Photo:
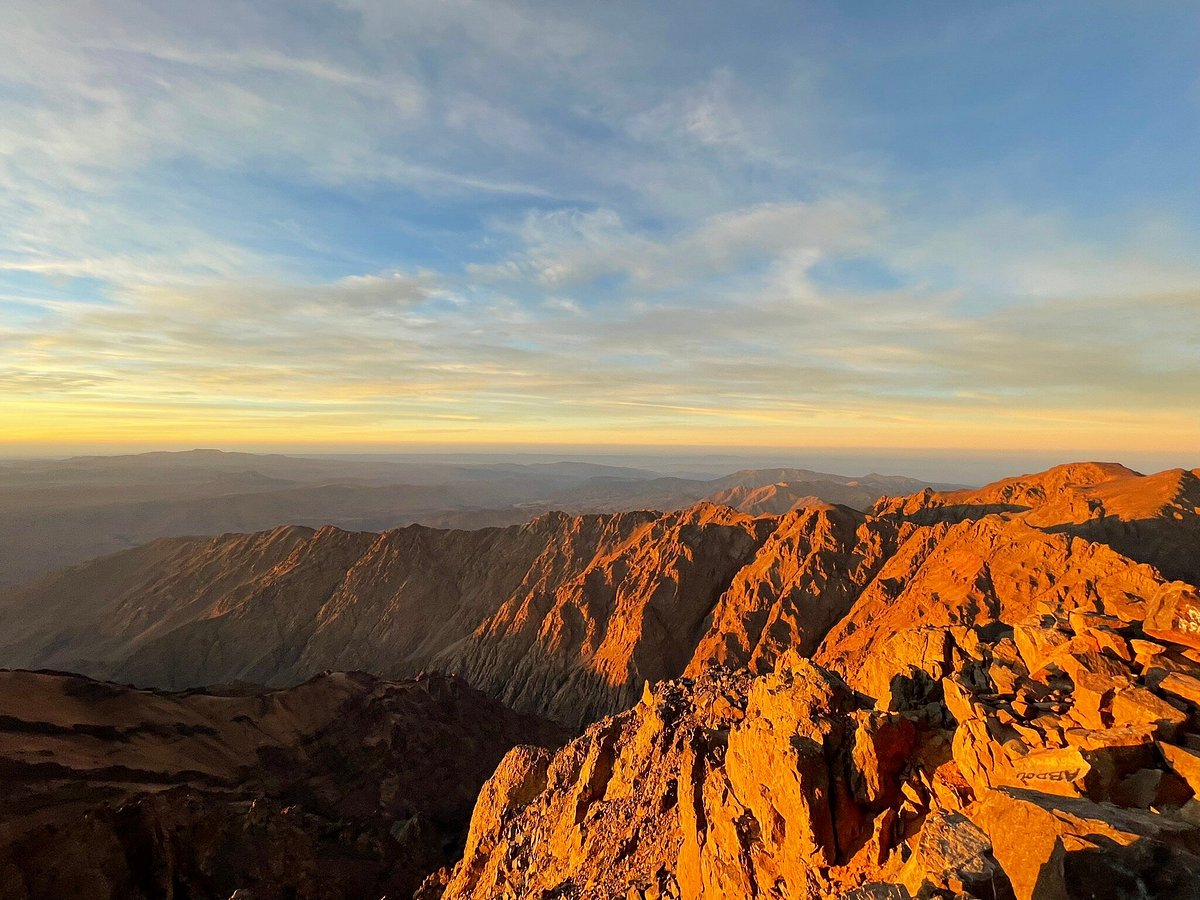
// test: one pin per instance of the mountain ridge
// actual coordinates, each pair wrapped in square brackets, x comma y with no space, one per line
[55,513]
[568,616]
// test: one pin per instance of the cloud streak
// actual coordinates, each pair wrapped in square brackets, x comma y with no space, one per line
[459,221]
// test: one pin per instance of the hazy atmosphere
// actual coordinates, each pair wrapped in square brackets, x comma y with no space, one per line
[356,224]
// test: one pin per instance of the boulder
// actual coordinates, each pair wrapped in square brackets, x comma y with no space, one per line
[951,853]
[1155,788]
[1174,615]
[1092,698]
[1057,848]
[1184,763]
[1135,705]
[1036,642]
[883,743]
[904,673]
[1185,687]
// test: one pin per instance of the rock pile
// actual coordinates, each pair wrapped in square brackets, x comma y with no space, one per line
[1054,757]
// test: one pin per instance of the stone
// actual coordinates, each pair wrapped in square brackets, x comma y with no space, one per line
[1153,675]
[1173,791]
[1185,687]
[1140,736]
[1173,615]
[1063,771]
[1112,643]
[1083,622]
[1184,763]
[1036,643]
[1092,698]
[1138,790]
[877,891]
[951,853]
[959,699]
[1084,655]
[1135,705]
[1111,754]
[1005,651]
[1057,848]
[904,672]
[1004,678]
[1144,649]
[907,690]
[883,743]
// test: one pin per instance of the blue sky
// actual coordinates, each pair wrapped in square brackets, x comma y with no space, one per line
[363,223]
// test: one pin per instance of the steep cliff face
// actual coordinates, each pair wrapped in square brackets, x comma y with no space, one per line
[281,606]
[808,574]
[1153,519]
[336,788]
[723,787]
[564,615]
[634,614]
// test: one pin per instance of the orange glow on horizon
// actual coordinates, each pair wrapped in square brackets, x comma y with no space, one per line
[35,428]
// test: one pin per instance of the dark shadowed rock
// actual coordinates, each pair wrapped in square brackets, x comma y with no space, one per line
[344,786]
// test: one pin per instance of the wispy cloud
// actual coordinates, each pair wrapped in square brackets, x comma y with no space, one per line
[571,247]
[461,218]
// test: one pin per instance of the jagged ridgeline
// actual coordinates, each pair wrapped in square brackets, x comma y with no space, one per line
[982,693]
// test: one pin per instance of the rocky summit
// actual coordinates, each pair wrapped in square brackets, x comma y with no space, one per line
[1054,757]
[988,693]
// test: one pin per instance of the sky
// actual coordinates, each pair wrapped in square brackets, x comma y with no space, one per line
[374,224]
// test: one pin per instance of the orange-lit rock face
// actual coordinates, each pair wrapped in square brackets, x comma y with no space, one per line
[712,788]
[736,786]
[1153,519]
[587,644]
[809,572]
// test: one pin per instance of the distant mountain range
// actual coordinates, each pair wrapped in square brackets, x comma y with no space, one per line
[55,513]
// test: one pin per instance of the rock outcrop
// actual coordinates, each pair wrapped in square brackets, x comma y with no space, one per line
[1057,757]
[1153,519]
[336,788]
[725,786]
